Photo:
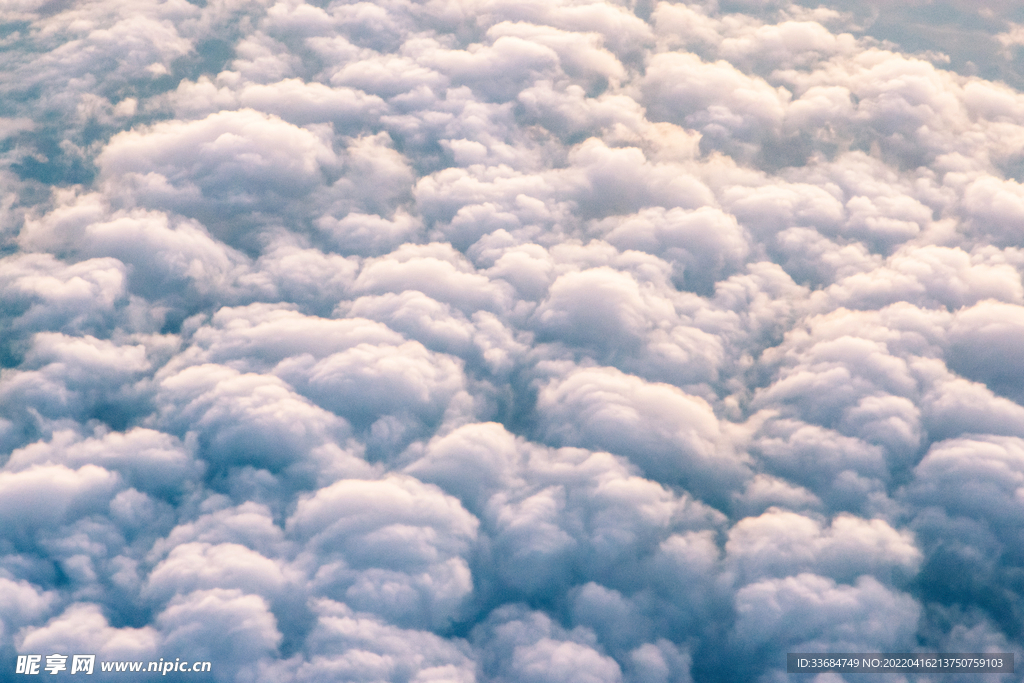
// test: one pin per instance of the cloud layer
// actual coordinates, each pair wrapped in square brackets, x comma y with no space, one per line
[604,342]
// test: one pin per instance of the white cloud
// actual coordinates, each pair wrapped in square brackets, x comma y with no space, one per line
[147,459]
[394,547]
[670,435]
[528,646]
[45,293]
[981,343]
[510,341]
[979,477]
[26,495]
[245,419]
[779,543]
[238,163]
[704,244]
[359,646]
[226,624]
[808,613]
[83,628]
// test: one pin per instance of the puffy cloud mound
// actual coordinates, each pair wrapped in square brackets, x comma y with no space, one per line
[590,341]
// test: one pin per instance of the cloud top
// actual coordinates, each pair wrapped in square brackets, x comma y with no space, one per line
[585,340]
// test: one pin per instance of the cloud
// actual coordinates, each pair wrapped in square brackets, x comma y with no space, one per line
[979,339]
[81,491]
[354,530]
[528,646]
[148,460]
[784,544]
[358,646]
[809,613]
[672,436]
[731,109]
[191,566]
[993,465]
[223,623]
[703,244]
[23,604]
[82,628]
[163,253]
[509,341]
[44,293]
[600,306]
[243,162]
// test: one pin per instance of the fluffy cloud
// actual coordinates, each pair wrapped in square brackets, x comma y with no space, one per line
[672,436]
[809,613]
[785,543]
[509,341]
[82,628]
[394,546]
[528,646]
[240,164]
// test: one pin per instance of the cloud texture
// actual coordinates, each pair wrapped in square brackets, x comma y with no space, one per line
[493,341]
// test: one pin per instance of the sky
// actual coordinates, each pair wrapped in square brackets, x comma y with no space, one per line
[510,341]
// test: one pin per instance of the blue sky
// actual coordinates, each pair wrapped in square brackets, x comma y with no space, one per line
[563,341]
